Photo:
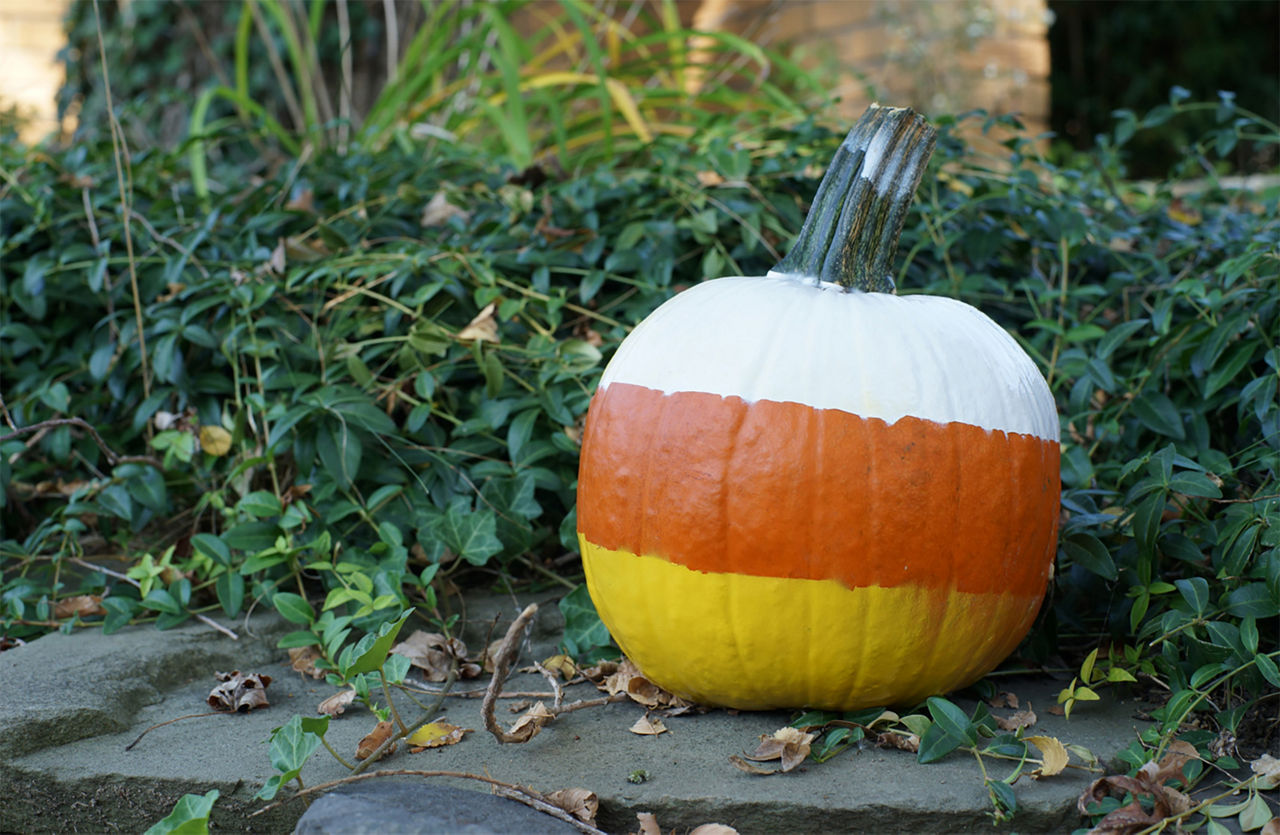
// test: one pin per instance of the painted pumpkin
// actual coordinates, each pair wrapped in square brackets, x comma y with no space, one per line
[801,489]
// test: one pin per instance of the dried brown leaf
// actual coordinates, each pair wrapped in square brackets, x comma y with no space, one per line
[380,734]
[1021,719]
[645,726]
[527,726]
[1266,772]
[1271,827]
[435,735]
[303,660]
[241,693]
[903,742]
[439,210]
[751,768]
[1170,765]
[581,803]
[484,327]
[597,673]
[562,664]
[83,605]
[435,655]
[1057,710]
[648,824]
[1053,755]
[1003,699]
[789,745]
[337,703]
[1126,820]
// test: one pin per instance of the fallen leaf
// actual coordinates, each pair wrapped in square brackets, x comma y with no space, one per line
[600,671]
[1021,719]
[215,440]
[648,824]
[628,679]
[751,768]
[644,726]
[435,654]
[241,693]
[713,829]
[527,726]
[1003,699]
[789,745]
[82,605]
[1271,827]
[484,327]
[1057,710]
[1126,820]
[709,178]
[581,803]
[337,703]
[1170,765]
[1053,754]
[561,664]
[303,660]
[903,742]
[439,210]
[435,735]
[380,733]
[1266,772]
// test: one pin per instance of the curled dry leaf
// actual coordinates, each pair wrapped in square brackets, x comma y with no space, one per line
[598,672]
[790,745]
[241,693]
[581,803]
[435,735]
[648,824]
[1003,699]
[749,767]
[337,703]
[1021,719]
[1266,772]
[303,660]
[1053,755]
[83,605]
[628,679]
[903,742]
[1271,827]
[527,726]
[439,210]
[380,734]
[1126,820]
[561,664]
[645,726]
[435,654]
[484,327]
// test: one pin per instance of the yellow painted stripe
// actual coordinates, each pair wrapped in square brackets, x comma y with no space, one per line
[752,642]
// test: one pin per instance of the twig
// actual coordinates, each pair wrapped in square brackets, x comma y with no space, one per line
[195,262]
[112,458]
[207,621]
[129,747]
[502,661]
[520,793]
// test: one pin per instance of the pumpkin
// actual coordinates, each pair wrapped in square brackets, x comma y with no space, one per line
[803,490]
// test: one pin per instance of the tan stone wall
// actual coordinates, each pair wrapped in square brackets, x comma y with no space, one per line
[30,37]
[936,55]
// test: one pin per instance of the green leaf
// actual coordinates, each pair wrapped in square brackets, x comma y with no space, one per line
[190,816]
[300,638]
[159,600]
[260,504]
[291,746]
[1195,484]
[1256,814]
[472,535]
[583,629]
[951,719]
[1252,601]
[1156,411]
[372,650]
[294,608]
[1194,590]
[1267,666]
[230,591]
[935,743]
[1088,552]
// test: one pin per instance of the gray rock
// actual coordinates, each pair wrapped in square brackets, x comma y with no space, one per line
[391,806]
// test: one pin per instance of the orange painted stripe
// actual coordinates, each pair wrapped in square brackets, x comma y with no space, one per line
[785,490]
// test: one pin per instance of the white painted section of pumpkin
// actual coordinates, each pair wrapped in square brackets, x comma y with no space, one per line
[871,354]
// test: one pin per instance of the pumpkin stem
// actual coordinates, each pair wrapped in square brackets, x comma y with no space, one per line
[851,233]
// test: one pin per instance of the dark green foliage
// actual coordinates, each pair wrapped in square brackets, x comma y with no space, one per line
[1109,56]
